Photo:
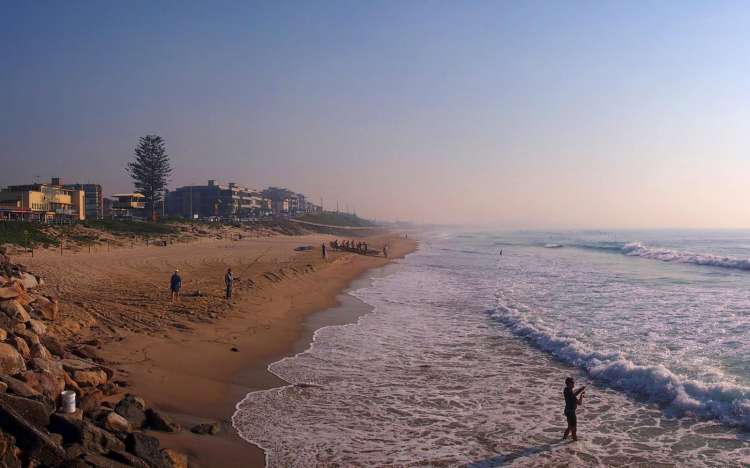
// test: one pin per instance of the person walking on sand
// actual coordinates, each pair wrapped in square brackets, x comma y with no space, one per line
[175,283]
[229,282]
[573,399]
[323,246]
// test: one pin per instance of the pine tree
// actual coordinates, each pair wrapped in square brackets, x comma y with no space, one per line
[150,171]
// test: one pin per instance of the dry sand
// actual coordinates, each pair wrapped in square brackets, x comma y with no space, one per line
[179,357]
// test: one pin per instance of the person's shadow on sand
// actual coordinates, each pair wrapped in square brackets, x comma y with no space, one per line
[500,460]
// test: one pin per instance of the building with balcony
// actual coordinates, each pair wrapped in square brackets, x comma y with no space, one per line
[93,197]
[129,206]
[215,201]
[43,202]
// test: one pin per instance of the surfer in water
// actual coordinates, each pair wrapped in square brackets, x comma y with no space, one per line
[573,399]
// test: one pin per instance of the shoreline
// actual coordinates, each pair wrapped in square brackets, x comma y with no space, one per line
[195,377]
[347,311]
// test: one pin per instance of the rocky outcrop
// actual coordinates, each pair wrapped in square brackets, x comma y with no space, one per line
[206,428]
[35,367]
[11,361]
[160,422]
[147,447]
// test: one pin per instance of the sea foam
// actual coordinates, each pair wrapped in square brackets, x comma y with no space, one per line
[636,249]
[725,402]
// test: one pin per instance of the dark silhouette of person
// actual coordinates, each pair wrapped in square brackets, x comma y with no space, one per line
[175,283]
[573,399]
[229,282]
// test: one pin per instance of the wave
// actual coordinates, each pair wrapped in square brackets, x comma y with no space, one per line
[725,402]
[637,249]
[553,246]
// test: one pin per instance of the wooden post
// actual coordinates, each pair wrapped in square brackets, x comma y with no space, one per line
[61,247]
[107,245]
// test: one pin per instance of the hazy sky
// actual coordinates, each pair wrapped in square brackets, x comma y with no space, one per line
[519,114]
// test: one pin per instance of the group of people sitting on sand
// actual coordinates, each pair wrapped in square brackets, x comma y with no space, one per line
[350,246]
[356,247]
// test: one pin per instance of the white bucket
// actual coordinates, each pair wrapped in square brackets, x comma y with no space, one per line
[68,398]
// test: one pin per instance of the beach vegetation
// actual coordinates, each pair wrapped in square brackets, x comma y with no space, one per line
[25,234]
[333,218]
[138,228]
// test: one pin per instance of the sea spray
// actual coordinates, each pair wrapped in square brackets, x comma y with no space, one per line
[725,402]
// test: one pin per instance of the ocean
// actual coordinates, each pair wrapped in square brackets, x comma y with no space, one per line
[462,360]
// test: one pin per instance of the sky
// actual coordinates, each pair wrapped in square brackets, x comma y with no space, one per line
[517,114]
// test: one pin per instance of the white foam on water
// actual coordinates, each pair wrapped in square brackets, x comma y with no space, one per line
[637,249]
[726,402]
[429,379]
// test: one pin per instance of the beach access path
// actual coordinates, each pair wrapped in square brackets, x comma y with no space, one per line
[194,360]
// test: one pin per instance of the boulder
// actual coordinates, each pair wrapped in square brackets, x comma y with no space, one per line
[109,388]
[80,431]
[46,383]
[11,361]
[176,459]
[206,428]
[31,410]
[7,293]
[160,422]
[127,458]
[90,401]
[8,453]
[40,300]
[74,364]
[90,378]
[35,443]
[14,310]
[48,311]
[133,409]
[18,387]
[53,345]
[71,384]
[39,351]
[21,346]
[74,451]
[92,460]
[28,335]
[88,352]
[28,281]
[147,448]
[116,423]
[37,327]
[47,365]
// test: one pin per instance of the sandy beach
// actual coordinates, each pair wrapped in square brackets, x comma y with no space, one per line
[196,359]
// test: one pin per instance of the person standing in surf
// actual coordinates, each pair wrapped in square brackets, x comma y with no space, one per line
[573,399]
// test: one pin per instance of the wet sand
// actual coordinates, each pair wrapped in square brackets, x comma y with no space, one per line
[180,357]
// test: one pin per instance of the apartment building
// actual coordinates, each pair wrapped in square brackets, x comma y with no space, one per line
[43,202]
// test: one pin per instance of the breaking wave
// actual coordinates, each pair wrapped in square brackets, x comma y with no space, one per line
[725,402]
[637,249]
